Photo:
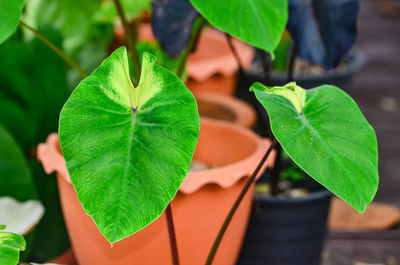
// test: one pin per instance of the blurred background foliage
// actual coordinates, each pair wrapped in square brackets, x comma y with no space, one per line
[35,82]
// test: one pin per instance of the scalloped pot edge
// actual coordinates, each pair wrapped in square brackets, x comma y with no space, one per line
[212,56]
[50,155]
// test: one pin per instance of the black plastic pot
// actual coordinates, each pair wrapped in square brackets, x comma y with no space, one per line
[286,231]
[354,61]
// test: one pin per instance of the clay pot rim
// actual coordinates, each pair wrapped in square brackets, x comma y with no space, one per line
[244,113]
[242,169]
[225,64]
[52,160]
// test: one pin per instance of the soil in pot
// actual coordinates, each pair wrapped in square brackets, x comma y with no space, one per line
[199,208]
[287,230]
[221,107]
[215,111]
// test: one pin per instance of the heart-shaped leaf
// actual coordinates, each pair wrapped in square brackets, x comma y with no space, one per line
[15,175]
[328,137]
[323,31]
[10,246]
[172,22]
[128,149]
[257,22]
[10,12]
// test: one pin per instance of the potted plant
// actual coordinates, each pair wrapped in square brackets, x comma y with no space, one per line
[316,45]
[128,143]
[284,215]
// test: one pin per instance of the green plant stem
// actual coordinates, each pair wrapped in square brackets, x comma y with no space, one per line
[276,170]
[130,39]
[172,235]
[65,57]
[192,41]
[239,199]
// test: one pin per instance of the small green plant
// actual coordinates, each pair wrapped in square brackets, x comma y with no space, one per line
[128,135]
[10,246]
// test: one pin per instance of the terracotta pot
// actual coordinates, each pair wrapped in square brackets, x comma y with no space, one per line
[199,208]
[212,67]
[225,108]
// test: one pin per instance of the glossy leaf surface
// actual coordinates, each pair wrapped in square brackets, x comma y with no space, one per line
[323,31]
[260,23]
[329,138]
[10,246]
[10,12]
[172,23]
[15,176]
[128,149]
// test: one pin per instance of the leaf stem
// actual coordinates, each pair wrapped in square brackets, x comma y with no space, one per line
[172,236]
[237,203]
[192,41]
[129,39]
[274,181]
[235,53]
[46,41]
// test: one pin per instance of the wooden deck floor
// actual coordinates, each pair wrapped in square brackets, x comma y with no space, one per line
[377,90]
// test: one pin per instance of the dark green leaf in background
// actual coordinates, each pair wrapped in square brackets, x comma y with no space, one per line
[33,89]
[51,238]
[15,176]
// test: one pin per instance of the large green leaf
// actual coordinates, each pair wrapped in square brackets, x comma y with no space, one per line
[257,22]
[10,12]
[15,175]
[10,246]
[325,133]
[128,149]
